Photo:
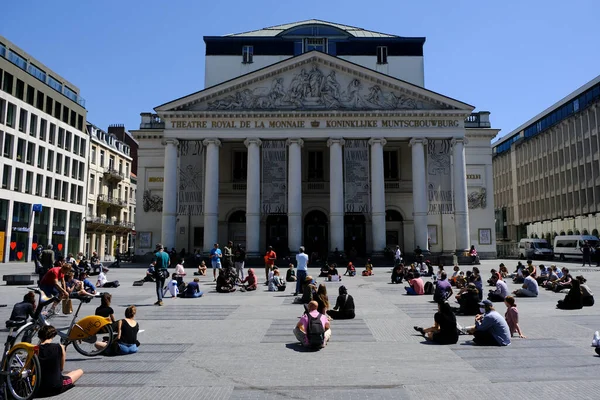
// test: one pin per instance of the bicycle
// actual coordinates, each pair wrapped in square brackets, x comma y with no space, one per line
[21,371]
[83,334]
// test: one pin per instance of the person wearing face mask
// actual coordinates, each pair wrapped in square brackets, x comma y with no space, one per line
[490,327]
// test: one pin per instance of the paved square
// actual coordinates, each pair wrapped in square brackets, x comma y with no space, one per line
[241,346]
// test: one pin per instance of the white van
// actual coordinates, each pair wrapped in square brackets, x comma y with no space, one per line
[570,245]
[535,248]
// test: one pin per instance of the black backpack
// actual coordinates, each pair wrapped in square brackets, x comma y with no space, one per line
[429,289]
[315,332]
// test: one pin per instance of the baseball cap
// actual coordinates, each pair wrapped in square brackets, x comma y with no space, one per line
[486,303]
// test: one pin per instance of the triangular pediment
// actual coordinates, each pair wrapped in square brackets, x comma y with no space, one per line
[314,82]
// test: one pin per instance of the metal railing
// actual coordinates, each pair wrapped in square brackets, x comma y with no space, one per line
[103,198]
[113,173]
[507,249]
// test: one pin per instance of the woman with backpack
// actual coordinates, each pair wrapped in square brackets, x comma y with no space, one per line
[313,329]
[344,306]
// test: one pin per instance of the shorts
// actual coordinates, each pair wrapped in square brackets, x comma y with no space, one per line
[49,291]
[216,264]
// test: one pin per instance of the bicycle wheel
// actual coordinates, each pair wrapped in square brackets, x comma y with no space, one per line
[23,377]
[96,344]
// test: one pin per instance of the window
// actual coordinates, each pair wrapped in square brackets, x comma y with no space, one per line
[57,108]
[33,125]
[73,119]
[49,104]
[80,122]
[30,95]
[17,60]
[240,165]
[126,170]
[74,168]
[93,155]
[21,150]
[7,85]
[68,141]
[2,50]
[30,153]
[82,147]
[20,93]
[55,84]
[390,165]
[319,44]
[67,166]
[39,180]
[58,168]
[121,166]
[315,166]
[39,103]
[56,189]
[61,137]
[18,179]
[22,120]
[11,114]
[73,196]
[65,115]
[79,194]
[48,189]
[8,145]
[50,160]
[382,53]
[81,168]
[111,162]
[28,182]
[40,157]
[247,54]
[38,73]
[102,158]
[70,93]
[43,126]
[52,135]
[6,176]
[2,107]
[75,144]
[64,192]
[92,183]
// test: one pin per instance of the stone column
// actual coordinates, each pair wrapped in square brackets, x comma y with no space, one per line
[461,206]
[294,211]
[253,198]
[419,192]
[211,194]
[169,211]
[377,195]
[8,234]
[336,194]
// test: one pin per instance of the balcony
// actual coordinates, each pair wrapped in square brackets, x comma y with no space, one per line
[232,187]
[111,201]
[398,186]
[108,223]
[478,120]
[315,187]
[111,174]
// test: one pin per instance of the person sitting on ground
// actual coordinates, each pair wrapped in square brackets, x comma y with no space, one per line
[474,256]
[500,293]
[149,274]
[543,276]
[179,270]
[398,273]
[461,281]
[443,289]
[172,286]
[192,290]
[468,300]
[476,279]
[444,329]
[344,305]
[455,274]
[322,299]
[103,280]
[518,274]
[438,275]
[563,283]
[333,275]
[350,269]
[25,309]
[324,271]
[416,285]
[250,280]
[587,297]
[201,269]
[495,276]
[75,287]
[290,275]
[552,277]
[368,268]
[503,271]
[52,358]
[224,283]
[308,291]
[512,317]
[302,329]
[573,299]
[127,330]
[490,327]
[532,269]
[105,310]
[530,286]
[278,282]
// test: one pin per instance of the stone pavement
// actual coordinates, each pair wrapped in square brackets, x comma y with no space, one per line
[241,346]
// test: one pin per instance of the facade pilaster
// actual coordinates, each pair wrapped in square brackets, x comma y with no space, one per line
[461,206]
[211,194]
[169,212]
[336,194]
[253,197]
[377,195]
[294,211]
[419,182]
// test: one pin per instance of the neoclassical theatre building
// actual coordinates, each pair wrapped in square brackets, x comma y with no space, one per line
[316,134]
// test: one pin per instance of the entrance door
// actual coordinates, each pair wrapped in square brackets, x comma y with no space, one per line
[355,237]
[236,228]
[277,234]
[316,235]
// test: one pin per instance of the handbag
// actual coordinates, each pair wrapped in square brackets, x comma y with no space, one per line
[67,306]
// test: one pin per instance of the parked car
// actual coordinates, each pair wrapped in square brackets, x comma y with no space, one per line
[569,246]
[535,248]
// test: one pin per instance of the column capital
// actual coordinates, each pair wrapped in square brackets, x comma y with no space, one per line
[210,141]
[381,141]
[414,141]
[250,141]
[332,141]
[299,142]
[168,141]
[456,140]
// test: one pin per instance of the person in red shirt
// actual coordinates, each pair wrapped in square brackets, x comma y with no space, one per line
[270,258]
[53,282]
[417,286]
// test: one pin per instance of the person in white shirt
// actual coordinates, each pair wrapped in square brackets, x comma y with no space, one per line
[397,256]
[500,293]
[172,286]
[103,280]
[179,270]
[301,268]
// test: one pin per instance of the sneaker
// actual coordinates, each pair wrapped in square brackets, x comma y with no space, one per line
[158,303]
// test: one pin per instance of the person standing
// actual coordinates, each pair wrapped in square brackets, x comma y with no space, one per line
[215,260]
[301,269]
[397,256]
[47,260]
[239,258]
[270,257]
[228,255]
[161,263]
[586,250]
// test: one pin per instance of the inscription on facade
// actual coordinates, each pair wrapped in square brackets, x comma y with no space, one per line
[274,177]
[305,124]
[356,176]
[439,183]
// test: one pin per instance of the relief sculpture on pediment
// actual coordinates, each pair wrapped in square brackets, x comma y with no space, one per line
[317,90]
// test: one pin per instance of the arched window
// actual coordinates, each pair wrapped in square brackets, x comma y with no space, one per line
[577,232]
[237,217]
[393,215]
[586,232]
[569,232]
[595,232]
[562,233]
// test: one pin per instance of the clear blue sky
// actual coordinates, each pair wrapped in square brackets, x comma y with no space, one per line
[513,58]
